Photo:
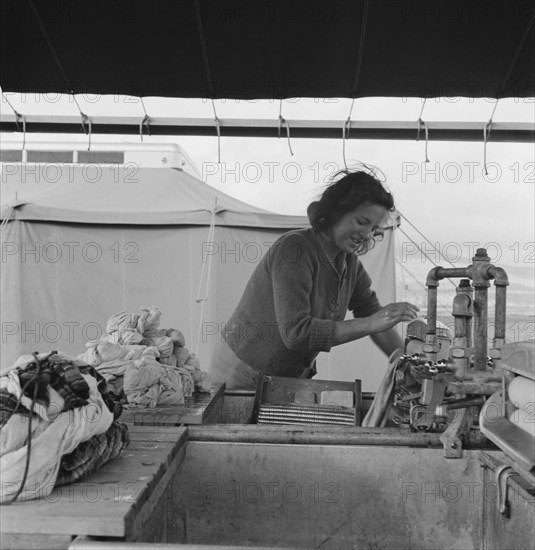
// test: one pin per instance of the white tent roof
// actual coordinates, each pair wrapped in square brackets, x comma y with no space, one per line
[146,196]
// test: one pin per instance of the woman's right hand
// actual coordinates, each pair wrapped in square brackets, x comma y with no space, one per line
[392,314]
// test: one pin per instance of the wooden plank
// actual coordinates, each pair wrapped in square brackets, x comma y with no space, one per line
[102,504]
[86,543]
[135,520]
[238,409]
[9,541]
[145,445]
[196,410]
[160,436]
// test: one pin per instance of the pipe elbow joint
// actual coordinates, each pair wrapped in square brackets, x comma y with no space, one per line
[500,276]
[433,277]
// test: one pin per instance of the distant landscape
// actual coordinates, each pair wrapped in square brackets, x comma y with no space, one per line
[520,311]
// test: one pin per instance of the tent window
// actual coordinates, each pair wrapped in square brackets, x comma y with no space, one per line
[100,157]
[49,156]
[11,156]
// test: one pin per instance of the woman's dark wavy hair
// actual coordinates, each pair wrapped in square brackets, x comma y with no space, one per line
[345,194]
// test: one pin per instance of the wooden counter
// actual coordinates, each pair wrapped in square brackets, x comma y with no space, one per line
[128,499]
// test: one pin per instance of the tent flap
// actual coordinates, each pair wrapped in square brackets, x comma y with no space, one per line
[158,196]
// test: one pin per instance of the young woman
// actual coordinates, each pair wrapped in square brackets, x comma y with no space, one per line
[296,300]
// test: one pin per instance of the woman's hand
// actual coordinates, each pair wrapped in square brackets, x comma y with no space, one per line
[377,326]
[392,314]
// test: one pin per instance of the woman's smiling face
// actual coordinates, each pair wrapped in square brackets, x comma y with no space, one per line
[357,227]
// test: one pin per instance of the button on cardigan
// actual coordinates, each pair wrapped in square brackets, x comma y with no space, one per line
[297,292]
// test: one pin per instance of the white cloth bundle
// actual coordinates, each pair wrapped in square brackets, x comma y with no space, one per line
[176,336]
[164,345]
[129,328]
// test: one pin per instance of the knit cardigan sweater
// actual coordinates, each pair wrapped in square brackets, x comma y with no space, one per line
[290,306]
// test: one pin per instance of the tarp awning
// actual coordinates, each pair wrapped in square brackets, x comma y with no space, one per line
[251,49]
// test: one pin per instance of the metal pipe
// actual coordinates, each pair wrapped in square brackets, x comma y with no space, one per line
[469,387]
[431,328]
[463,403]
[480,277]
[312,435]
[501,281]
[438,273]
[469,328]
[480,328]
[500,316]
[460,327]
[465,287]
[499,275]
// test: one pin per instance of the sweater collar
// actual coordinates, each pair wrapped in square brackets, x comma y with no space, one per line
[335,256]
[330,249]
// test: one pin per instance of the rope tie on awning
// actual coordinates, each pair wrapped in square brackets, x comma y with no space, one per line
[345,132]
[486,133]
[282,121]
[144,122]
[218,131]
[199,299]
[208,77]
[18,120]
[347,124]
[424,124]
[86,120]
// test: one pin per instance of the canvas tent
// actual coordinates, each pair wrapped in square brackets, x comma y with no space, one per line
[86,249]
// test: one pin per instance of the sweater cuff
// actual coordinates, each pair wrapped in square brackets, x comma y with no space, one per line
[322,335]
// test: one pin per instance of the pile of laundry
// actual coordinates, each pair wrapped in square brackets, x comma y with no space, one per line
[58,425]
[147,365]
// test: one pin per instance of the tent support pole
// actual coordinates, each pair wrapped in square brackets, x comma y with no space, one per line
[518,132]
